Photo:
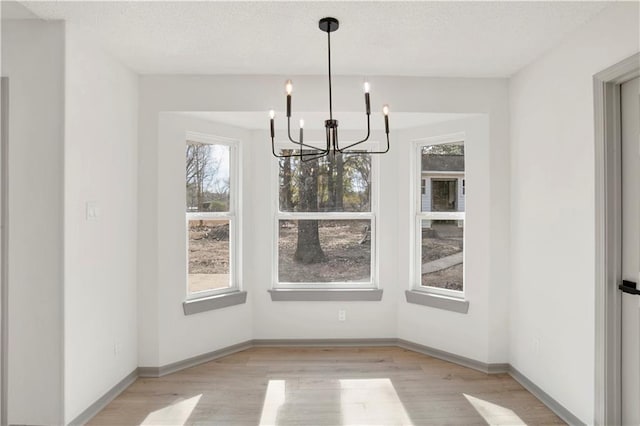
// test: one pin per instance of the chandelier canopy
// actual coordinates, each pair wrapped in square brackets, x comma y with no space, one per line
[309,152]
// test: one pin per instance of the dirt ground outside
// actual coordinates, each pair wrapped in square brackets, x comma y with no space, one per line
[441,240]
[348,257]
[208,255]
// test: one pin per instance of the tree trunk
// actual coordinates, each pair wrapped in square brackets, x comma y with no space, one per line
[308,249]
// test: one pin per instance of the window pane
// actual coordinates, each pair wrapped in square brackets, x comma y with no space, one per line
[208,255]
[317,251]
[442,178]
[207,178]
[442,248]
[328,184]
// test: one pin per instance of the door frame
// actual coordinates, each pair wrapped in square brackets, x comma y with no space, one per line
[4,247]
[608,237]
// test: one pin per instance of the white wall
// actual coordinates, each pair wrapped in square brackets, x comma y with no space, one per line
[100,264]
[552,207]
[462,334]
[167,336]
[4,102]
[33,59]
[179,336]
[319,320]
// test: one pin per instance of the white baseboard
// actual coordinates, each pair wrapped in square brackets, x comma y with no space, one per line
[544,397]
[105,399]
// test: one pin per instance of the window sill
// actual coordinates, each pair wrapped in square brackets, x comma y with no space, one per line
[325,295]
[437,301]
[211,303]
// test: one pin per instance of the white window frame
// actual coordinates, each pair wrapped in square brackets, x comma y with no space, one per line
[417,216]
[232,216]
[373,283]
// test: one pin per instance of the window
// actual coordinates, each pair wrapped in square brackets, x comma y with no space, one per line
[325,223]
[439,218]
[211,212]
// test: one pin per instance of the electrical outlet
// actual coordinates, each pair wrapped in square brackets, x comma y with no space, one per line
[536,345]
[92,210]
[342,315]
[117,348]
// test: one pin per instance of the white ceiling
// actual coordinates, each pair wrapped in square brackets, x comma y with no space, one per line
[452,39]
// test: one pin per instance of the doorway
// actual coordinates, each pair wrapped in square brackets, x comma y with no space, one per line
[4,252]
[617,375]
[444,195]
[630,262]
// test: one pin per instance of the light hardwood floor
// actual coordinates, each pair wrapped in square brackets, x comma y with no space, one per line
[327,386]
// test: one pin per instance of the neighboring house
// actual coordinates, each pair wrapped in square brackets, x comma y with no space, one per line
[442,184]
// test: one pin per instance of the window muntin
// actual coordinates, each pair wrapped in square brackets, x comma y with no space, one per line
[440,215]
[325,223]
[210,168]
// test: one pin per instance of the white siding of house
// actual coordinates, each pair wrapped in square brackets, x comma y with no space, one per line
[460,195]
[426,197]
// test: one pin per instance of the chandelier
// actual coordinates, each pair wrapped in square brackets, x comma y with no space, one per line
[309,152]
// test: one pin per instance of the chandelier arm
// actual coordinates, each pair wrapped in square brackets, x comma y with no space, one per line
[341,150]
[328,148]
[344,151]
[293,154]
[300,154]
[327,132]
[289,132]
[335,138]
[273,151]
[316,157]
[298,142]
[310,156]
[383,151]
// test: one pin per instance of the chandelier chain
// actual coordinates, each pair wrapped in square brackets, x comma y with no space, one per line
[330,93]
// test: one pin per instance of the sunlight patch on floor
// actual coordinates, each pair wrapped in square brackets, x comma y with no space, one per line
[494,414]
[371,402]
[273,400]
[175,414]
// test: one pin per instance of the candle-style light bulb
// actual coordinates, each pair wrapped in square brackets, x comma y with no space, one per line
[288,87]
[272,114]
[367,102]
[301,130]
[385,111]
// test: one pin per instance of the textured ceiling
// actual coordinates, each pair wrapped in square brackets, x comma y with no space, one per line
[452,39]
